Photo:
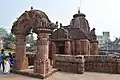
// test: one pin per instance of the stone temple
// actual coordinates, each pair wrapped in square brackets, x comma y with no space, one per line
[76,38]
[72,48]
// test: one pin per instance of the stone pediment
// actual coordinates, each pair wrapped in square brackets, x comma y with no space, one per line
[60,33]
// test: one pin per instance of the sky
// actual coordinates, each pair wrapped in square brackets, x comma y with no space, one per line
[104,15]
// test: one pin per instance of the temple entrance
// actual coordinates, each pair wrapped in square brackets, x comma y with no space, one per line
[39,23]
[60,47]
[61,50]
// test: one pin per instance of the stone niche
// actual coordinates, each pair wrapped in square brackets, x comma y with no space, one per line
[69,63]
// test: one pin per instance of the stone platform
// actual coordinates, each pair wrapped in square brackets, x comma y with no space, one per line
[29,72]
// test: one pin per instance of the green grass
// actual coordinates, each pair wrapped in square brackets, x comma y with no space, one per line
[8,50]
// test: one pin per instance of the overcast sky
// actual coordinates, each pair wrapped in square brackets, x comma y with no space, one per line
[104,15]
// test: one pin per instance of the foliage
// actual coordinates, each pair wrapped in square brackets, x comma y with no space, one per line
[3,33]
[30,39]
[10,39]
[9,50]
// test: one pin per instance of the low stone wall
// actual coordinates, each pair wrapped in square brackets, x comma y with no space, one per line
[77,64]
[102,63]
[69,63]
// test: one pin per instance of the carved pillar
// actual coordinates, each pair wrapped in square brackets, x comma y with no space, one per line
[42,62]
[84,47]
[53,48]
[67,47]
[73,47]
[94,48]
[21,61]
[53,53]
[89,48]
[78,47]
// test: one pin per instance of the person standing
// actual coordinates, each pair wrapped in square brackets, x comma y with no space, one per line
[2,56]
[7,65]
[11,60]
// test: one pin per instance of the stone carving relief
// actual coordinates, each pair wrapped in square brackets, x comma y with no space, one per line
[32,19]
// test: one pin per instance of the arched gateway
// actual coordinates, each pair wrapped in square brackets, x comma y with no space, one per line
[42,26]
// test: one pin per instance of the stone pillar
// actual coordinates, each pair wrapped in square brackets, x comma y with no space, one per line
[84,47]
[89,48]
[78,47]
[21,61]
[73,48]
[42,62]
[53,53]
[94,48]
[53,48]
[67,47]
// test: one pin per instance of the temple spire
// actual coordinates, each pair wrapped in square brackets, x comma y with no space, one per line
[78,9]
[31,7]
[80,5]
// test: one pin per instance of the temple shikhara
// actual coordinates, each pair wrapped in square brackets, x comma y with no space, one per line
[71,48]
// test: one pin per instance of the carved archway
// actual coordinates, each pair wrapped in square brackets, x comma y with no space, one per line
[42,26]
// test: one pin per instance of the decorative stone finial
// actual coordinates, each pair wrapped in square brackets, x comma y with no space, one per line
[60,24]
[31,7]
[78,9]
[57,22]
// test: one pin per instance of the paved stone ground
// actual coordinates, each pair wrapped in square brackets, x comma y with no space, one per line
[65,76]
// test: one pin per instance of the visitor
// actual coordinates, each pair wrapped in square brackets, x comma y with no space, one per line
[2,56]
[11,60]
[7,65]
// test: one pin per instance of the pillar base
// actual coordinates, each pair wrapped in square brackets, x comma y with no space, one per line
[21,63]
[32,74]
[42,67]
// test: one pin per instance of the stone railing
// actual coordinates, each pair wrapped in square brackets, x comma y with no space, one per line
[102,63]
[69,63]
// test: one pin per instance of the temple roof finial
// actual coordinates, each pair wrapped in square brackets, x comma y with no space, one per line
[31,7]
[78,9]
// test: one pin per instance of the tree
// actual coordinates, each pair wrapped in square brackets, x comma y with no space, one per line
[30,39]
[3,33]
[9,40]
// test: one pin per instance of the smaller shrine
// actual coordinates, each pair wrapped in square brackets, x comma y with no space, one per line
[74,39]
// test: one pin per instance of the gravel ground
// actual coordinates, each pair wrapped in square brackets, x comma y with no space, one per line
[65,76]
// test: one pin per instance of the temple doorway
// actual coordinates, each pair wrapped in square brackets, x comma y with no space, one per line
[60,47]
